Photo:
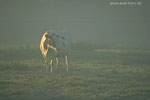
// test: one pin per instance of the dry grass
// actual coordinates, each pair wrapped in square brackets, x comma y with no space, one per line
[100,75]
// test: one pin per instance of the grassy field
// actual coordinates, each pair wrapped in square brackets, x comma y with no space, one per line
[95,73]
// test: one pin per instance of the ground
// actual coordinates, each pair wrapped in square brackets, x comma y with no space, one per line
[95,73]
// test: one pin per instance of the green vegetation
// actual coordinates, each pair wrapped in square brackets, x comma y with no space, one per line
[96,73]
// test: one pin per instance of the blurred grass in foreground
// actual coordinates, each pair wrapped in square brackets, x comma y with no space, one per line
[96,73]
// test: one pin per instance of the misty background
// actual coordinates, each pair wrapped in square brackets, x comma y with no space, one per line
[92,21]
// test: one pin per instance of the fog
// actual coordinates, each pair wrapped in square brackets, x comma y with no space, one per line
[92,21]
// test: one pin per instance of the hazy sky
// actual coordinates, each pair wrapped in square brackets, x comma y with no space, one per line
[96,21]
